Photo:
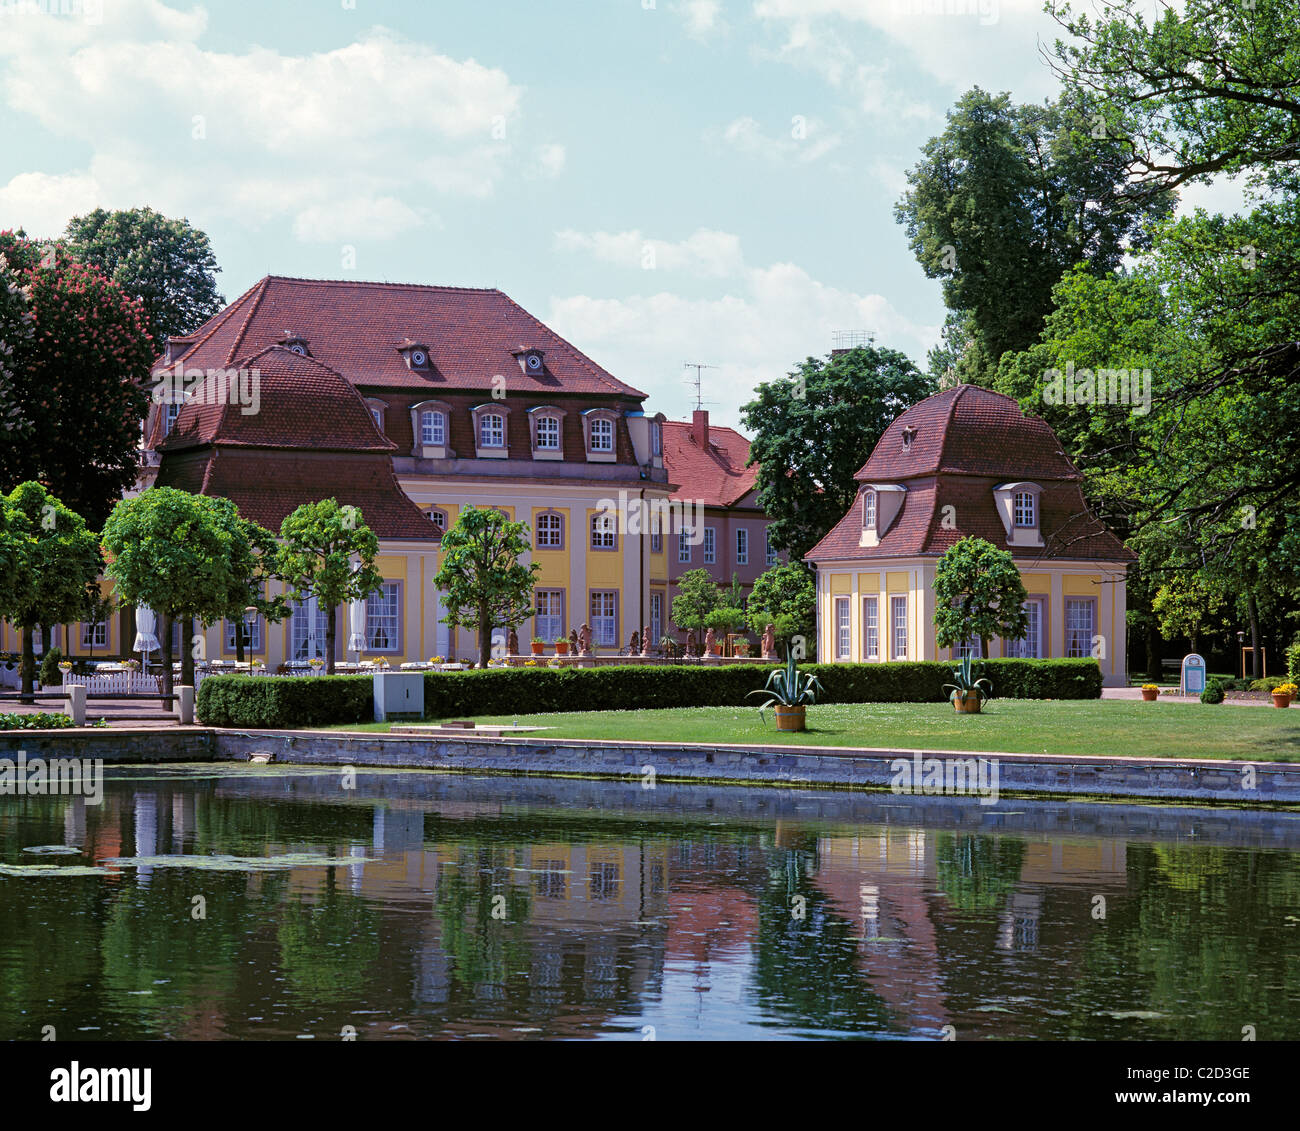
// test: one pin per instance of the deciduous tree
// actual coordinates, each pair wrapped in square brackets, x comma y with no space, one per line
[978,594]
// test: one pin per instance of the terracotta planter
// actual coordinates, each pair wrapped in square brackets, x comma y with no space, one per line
[1281,700]
[969,704]
[539,649]
[1149,696]
[790,718]
[562,648]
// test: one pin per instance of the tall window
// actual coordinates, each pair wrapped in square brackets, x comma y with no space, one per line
[1025,511]
[868,510]
[433,428]
[550,531]
[656,617]
[383,618]
[710,545]
[843,629]
[1080,626]
[656,542]
[491,430]
[1030,647]
[656,439]
[602,435]
[604,532]
[548,433]
[169,420]
[771,551]
[253,642]
[684,545]
[898,615]
[94,635]
[379,418]
[549,623]
[306,634]
[871,628]
[604,617]
[742,547]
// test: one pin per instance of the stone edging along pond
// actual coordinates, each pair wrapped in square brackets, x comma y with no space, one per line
[903,771]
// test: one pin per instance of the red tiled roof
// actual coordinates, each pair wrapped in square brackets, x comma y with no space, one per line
[968,441]
[302,403]
[356,329]
[718,477]
[968,430]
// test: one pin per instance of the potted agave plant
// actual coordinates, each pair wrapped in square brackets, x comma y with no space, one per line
[788,692]
[967,692]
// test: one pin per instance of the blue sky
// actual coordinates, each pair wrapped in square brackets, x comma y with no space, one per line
[661,181]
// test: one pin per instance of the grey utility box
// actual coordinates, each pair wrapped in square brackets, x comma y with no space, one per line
[399,695]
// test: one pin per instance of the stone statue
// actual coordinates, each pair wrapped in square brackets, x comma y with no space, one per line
[573,641]
[512,643]
[634,645]
[584,640]
[710,642]
[690,644]
[645,641]
[769,642]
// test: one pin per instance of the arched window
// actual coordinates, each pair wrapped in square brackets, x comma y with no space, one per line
[491,430]
[548,433]
[550,531]
[868,510]
[602,435]
[433,428]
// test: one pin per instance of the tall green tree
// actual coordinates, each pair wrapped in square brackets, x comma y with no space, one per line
[815,428]
[166,264]
[697,596]
[1007,199]
[78,382]
[785,597]
[62,557]
[327,551]
[978,594]
[188,557]
[16,330]
[485,584]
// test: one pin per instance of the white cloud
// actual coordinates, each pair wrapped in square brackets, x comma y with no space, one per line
[769,321]
[704,253]
[550,160]
[703,17]
[338,144]
[43,203]
[807,140]
[1221,195]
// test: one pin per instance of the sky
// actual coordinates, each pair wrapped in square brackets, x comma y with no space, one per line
[661,181]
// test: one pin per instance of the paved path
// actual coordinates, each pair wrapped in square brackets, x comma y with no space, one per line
[1136,693]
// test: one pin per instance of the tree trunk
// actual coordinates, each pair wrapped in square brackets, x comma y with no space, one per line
[984,647]
[330,629]
[1155,669]
[241,629]
[187,652]
[29,666]
[1256,659]
[165,650]
[1194,638]
[484,639]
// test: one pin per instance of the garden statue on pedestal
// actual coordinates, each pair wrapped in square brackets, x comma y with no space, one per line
[512,643]
[645,641]
[769,642]
[634,644]
[710,643]
[584,640]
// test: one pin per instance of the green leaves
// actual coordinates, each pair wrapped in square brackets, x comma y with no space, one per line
[815,428]
[485,584]
[697,597]
[787,687]
[785,597]
[978,594]
[56,556]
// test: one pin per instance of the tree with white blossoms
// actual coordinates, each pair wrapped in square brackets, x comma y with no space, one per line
[15,329]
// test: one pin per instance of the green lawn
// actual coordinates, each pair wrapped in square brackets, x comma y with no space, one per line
[1106,727]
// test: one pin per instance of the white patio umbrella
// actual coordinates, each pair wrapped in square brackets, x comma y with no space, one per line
[357,627]
[146,624]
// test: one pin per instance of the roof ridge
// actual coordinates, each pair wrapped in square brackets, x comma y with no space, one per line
[377,283]
[243,329]
[218,320]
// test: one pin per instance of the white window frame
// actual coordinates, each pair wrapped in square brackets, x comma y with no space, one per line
[742,546]
[1030,646]
[871,628]
[298,629]
[384,614]
[1024,505]
[433,428]
[898,627]
[684,545]
[1073,638]
[656,618]
[869,505]
[602,434]
[94,634]
[486,430]
[254,636]
[604,624]
[549,625]
[548,433]
[710,546]
[550,531]
[771,550]
[843,628]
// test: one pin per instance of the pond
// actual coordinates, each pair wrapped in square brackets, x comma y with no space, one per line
[213,902]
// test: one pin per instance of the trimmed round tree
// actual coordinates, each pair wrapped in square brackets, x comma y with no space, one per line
[785,597]
[486,585]
[978,594]
[187,557]
[62,556]
[77,385]
[327,551]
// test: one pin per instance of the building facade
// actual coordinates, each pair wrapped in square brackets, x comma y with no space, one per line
[967,461]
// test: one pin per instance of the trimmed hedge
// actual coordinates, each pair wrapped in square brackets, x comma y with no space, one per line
[244,701]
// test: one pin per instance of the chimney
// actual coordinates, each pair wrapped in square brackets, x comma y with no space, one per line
[700,427]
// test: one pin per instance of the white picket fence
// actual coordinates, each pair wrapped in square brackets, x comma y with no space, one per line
[116,683]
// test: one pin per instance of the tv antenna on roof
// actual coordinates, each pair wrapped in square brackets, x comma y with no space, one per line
[699,381]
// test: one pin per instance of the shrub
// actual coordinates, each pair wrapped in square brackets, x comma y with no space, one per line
[1268,683]
[1293,661]
[243,701]
[35,721]
[50,676]
[1213,692]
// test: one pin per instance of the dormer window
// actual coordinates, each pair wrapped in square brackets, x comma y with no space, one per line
[546,431]
[414,353]
[909,434]
[881,506]
[869,510]
[599,427]
[531,362]
[1026,509]
[377,410]
[295,343]
[490,436]
[433,427]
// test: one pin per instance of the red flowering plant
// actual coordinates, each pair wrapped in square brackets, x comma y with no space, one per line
[77,384]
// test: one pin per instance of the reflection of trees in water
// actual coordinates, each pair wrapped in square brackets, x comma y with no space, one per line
[1204,934]
[327,945]
[977,872]
[807,971]
[485,949]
